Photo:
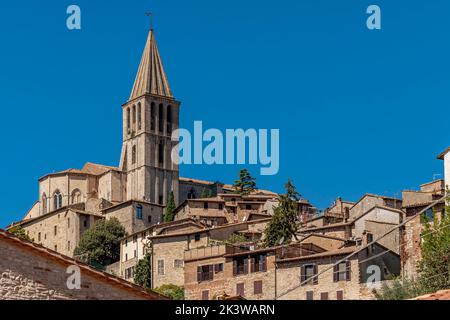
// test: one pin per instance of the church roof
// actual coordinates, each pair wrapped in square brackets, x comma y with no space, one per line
[151,77]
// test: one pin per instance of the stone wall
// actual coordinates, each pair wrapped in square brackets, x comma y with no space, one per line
[26,274]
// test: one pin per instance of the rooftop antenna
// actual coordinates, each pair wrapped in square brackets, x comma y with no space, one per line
[150,16]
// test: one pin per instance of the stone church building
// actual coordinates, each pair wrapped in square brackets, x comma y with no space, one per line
[137,190]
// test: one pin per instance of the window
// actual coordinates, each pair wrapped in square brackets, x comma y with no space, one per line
[340,295]
[86,222]
[369,237]
[220,206]
[135,253]
[68,222]
[56,248]
[57,200]
[205,273]
[133,155]
[309,272]
[161,153]
[55,230]
[161,118]
[309,295]
[428,216]
[149,219]
[152,116]
[197,237]
[133,116]
[258,263]
[75,196]
[191,194]
[240,266]
[39,236]
[44,203]
[257,287]
[178,263]
[139,212]
[160,267]
[248,207]
[129,273]
[161,199]
[342,271]
[169,120]
[240,289]
[218,268]
[205,295]
[128,121]
[126,256]
[205,205]
[324,296]
[139,116]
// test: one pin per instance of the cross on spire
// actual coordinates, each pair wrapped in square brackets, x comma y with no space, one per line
[150,16]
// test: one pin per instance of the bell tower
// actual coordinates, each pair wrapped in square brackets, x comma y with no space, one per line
[149,117]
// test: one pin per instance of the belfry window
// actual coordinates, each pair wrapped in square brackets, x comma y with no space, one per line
[128,121]
[133,117]
[76,196]
[139,116]
[161,153]
[169,120]
[152,116]
[161,118]
[57,200]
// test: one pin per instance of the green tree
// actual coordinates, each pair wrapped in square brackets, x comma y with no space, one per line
[142,272]
[19,232]
[434,266]
[245,184]
[172,291]
[100,245]
[284,223]
[169,216]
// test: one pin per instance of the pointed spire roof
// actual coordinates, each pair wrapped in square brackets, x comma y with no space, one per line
[151,77]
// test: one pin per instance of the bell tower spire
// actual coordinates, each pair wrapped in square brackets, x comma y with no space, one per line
[149,117]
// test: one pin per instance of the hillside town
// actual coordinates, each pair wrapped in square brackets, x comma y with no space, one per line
[209,240]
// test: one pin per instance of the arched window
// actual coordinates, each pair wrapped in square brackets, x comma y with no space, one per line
[169,119]
[153,116]
[57,200]
[75,196]
[128,120]
[44,203]
[161,117]
[139,116]
[133,117]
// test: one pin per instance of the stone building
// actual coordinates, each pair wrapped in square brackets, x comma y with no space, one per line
[445,156]
[227,208]
[411,234]
[31,272]
[167,242]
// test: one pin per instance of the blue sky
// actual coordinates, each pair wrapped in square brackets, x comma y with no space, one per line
[358,110]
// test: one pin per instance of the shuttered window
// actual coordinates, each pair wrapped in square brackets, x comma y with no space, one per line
[309,295]
[324,296]
[258,287]
[240,266]
[258,263]
[240,289]
[309,272]
[340,295]
[205,295]
[205,273]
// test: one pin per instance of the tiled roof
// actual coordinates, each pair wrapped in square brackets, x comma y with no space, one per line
[100,275]
[440,295]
